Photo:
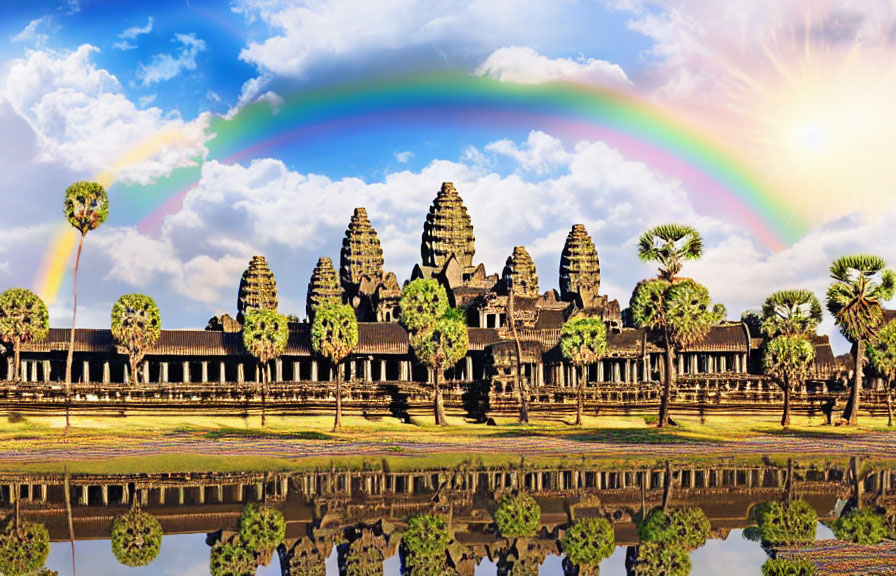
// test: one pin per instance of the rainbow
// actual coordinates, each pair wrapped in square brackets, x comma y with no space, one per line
[705,167]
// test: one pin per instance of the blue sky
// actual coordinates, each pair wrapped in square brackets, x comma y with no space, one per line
[801,95]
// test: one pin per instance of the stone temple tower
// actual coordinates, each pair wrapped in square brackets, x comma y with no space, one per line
[258,289]
[448,230]
[322,288]
[579,268]
[520,272]
[361,252]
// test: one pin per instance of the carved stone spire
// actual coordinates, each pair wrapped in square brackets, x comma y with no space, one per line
[258,289]
[520,272]
[322,288]
[361,251]
[447,230]
[579,266]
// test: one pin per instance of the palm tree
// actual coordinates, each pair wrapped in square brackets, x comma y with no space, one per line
[583,341]
[334,334]
[680,312]
[437,332]
[882,355]
[136,537]
[265,334]
[670,245]
[789,317]
[861,283]
[86,208]
[23,319]
[136,326]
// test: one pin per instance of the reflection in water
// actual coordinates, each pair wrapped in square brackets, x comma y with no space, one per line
[466,521]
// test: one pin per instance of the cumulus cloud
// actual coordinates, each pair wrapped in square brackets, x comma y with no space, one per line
[526,66]
[164,67]
[82,120]
[132,33]
[314,31]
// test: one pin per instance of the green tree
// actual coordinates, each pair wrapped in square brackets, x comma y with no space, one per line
[583,341]
[86,208]
[588,542]
[136,326]
[231,557]
[882,356]
[261,528]
[517,516]
[783,524]
[334,334]
[864,526]
[23,319]
[789,317]
[670,245]
[424,545]
[265,334]
[861,283]
[788,567]
[680,312]
[788,359]
[136,538]
[655,559]
[437,333]
[686,527]
[24,546]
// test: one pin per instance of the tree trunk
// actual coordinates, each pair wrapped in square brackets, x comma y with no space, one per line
[580,395]
[71,339]
[439,406]
[668,377]
[17,364]
[522,387]
[18,490]
[135,376]
[851,415]
[337,426]
[785,419]
[265,376]
[68,514]
[889,407]
[667,486]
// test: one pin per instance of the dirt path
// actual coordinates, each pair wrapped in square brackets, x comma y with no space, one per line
[882,445]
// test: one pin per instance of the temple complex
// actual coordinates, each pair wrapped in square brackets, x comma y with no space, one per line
[728,357]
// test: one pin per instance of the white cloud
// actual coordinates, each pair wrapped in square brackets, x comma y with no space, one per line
[36,32]
[83,121]
[164,67]
[524,65]
[404,156]
[315,31]
[131,34]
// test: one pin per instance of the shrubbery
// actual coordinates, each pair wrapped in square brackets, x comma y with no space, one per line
[517,516]
[786,525]
[860,526]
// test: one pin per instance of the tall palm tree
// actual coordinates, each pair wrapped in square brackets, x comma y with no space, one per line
[670,245]
[680,312]
[265,335]
[23,318]
[861,283]
[334,334]
[583,341]
[789,318]
[86,208]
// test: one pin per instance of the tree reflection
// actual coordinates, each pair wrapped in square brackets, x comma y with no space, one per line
[24,546]
[261,530]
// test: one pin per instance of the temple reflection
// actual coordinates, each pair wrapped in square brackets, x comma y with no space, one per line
[449,521]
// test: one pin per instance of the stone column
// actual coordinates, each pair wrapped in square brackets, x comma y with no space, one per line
[127,374]
[723,363]
[743,362]
[146,371]
[222,372]
[186,374]
[314,370]
[368,370]
[240,373]
[382,370]
[34,364]
[257,374]
[616,372]
[163,372]
[693,369]
[104,494]
[278,370]
[10,368]
[205,372]
[681,363]
[468,368]
[539,379]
